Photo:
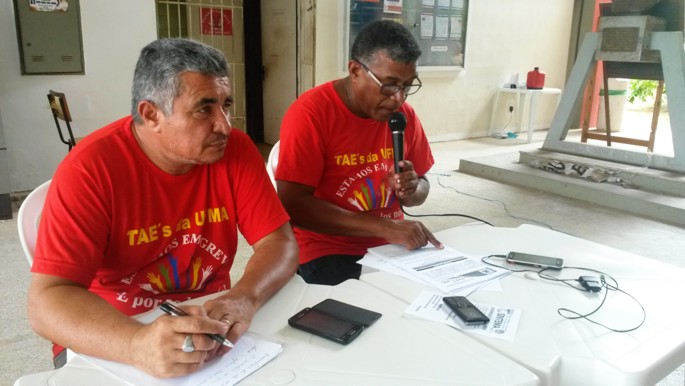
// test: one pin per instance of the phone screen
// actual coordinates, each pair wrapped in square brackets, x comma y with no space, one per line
[326,326]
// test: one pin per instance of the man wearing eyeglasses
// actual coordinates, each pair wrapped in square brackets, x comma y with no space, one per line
[335,172]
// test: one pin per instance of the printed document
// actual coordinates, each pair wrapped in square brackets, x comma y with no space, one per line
[502,325]
[446,269]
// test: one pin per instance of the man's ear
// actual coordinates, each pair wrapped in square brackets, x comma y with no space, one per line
[151,114]
[354,69]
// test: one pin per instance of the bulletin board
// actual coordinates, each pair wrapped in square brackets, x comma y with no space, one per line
[439,27]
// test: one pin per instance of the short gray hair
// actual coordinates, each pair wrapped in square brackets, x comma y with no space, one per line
[157,76]
[387,36]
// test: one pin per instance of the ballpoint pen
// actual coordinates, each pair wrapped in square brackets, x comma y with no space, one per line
[175,311]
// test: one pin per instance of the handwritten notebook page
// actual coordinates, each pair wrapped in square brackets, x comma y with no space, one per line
[249,354]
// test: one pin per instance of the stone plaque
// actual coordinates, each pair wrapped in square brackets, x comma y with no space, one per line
[626,38]
[620,39]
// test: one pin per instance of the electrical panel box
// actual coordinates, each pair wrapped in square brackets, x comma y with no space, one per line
[49,33]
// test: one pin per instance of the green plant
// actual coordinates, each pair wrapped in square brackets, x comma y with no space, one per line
[642,89]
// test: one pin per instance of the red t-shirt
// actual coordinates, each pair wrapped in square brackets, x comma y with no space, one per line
[347,160]
[137,236]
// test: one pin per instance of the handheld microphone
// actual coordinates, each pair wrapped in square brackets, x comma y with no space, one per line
[397,122]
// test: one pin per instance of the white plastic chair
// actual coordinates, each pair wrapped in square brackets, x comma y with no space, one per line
[28,218]
[272,163]
[42,378]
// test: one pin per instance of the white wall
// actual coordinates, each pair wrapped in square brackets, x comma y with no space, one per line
[114,32]
[503,37]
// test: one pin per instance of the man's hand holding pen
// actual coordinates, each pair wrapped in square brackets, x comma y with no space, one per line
[162,348]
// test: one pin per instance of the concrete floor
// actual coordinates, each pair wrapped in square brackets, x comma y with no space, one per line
[22,352]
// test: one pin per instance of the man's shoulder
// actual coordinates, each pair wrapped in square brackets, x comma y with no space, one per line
[317,94]
[115,131]
[325,88]
[106,147]
[318,103]
[238,141]
[240,150]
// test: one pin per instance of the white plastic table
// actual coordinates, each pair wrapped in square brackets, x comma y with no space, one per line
[575,352]
[393,351]
[522,97]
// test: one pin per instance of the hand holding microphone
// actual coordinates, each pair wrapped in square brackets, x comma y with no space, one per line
[407,185]
[397,122]
[410,234]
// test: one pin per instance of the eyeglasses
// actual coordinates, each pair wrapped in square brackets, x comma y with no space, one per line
[392,89]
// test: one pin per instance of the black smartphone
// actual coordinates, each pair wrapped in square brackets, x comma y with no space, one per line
[535,260]
[348,312]
[465,310]
[326,326]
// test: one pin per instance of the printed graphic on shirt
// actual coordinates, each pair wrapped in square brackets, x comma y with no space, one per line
[188,261]
[368,188]
[168,278]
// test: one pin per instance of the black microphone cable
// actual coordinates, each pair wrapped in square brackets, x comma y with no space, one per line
[441,214]
[504,206]
[397,122]
[570,314]
[444,215]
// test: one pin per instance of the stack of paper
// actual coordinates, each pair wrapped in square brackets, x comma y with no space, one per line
[451,272]
[446,269]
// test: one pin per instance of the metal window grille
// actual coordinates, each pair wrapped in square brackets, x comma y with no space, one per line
[218,23]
